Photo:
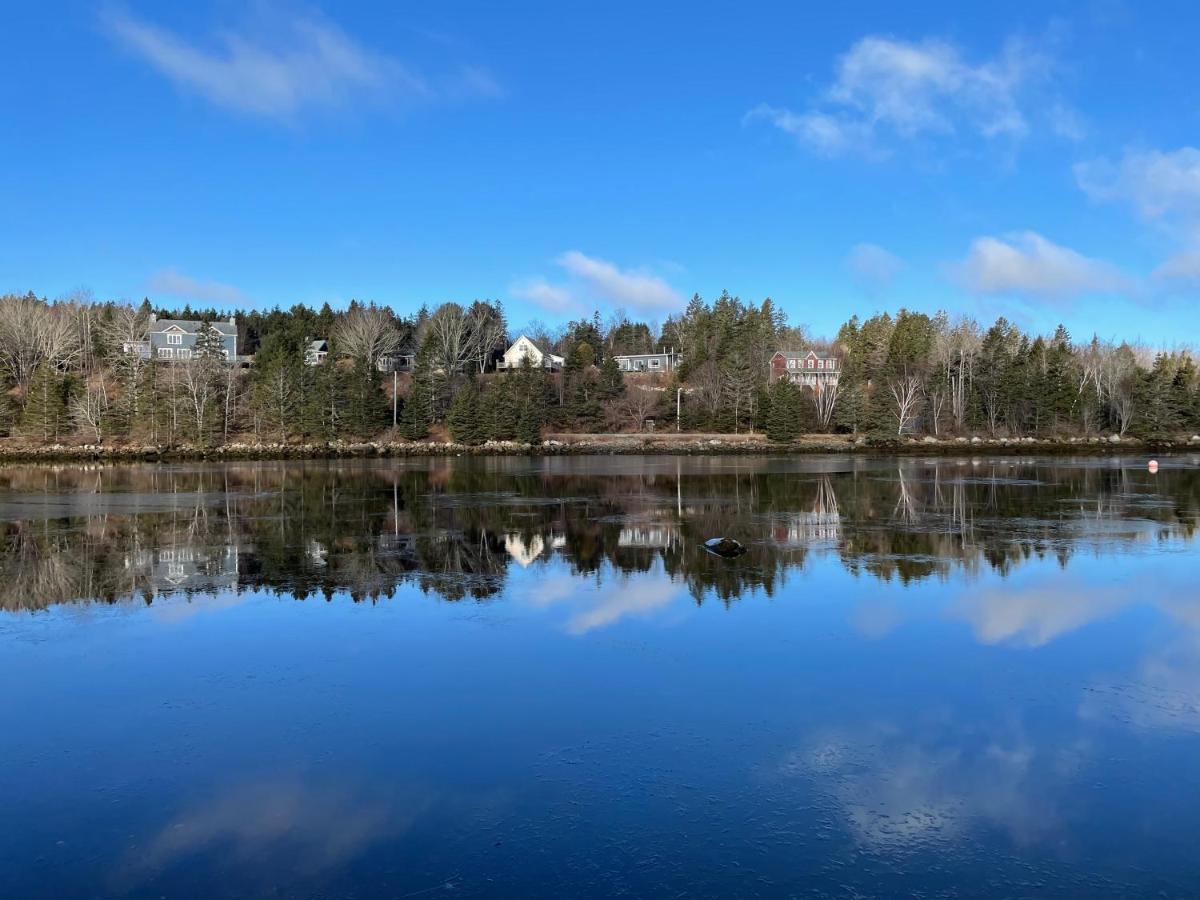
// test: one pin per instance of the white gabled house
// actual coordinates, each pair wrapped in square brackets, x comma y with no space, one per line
[523,349]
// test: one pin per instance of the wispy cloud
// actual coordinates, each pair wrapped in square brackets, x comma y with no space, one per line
[1028,264]
[553,298]
[1159,185]
[589,280]
[638,289]
[890,88]
[1163,188]
[303,63]
[872,267]
[174,283]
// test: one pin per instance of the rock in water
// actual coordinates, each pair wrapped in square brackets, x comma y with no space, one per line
[726,547]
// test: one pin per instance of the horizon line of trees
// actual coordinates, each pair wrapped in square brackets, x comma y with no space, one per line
[64,374]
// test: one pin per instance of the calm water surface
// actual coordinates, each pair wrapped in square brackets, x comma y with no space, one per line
[516,677]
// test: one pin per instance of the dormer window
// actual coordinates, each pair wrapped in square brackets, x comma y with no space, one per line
[174,338]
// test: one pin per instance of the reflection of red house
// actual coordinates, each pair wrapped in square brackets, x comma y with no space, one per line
[808,368]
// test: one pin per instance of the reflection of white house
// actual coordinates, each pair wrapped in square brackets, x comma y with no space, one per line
[524,552]
[525,349]
[655,535]
[823,523]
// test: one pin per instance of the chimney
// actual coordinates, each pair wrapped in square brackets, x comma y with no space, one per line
[153,318]
[233,321]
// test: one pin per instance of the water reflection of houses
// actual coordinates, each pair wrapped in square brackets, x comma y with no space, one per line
[526,549]
[186,568]
[822,523]
[648,535]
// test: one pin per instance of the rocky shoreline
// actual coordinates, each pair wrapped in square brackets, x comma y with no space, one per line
[585,446]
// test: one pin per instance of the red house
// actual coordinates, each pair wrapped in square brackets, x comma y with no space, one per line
[805,367]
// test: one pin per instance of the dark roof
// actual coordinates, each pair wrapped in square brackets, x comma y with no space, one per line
[191,327]
[803,354]
[655,353]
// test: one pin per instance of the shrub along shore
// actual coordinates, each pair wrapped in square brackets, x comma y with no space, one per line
[595,445]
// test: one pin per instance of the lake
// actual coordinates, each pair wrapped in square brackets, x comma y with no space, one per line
[527,677]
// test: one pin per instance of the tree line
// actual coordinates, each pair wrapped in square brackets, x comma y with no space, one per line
[66,374]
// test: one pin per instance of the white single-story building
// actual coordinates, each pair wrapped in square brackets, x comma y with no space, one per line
[667,361]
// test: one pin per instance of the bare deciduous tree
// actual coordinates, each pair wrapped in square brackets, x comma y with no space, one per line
[489,333]
[89,408]
[367,333]
[453,340]
[638,405]
[825,398]
[906,392]
[32,332]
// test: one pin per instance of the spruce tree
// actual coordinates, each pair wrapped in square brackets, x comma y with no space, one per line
[529,426]
[464,416]
[783,414]
[44,416]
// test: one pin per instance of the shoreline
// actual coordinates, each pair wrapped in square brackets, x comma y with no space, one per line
[591,445]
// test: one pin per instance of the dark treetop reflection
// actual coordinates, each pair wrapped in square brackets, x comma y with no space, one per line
[924,676]
[457,527]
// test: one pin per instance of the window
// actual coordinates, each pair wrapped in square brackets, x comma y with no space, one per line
[174,338]
[654,363]
[810,363]
[791,364]
[184,353]
[165,352]
[820,363]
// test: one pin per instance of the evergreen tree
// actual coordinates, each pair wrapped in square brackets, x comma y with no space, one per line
[464,416]
[425,396]
[611,383]
[783,413]
[44,416]
[529,426]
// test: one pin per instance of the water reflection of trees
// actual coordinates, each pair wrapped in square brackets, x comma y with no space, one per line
[455,528]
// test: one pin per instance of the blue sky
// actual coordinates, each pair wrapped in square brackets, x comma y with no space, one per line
[1034,160]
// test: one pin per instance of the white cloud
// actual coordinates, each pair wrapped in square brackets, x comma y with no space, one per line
[637,289]
[305,63]
[176,284]
[1158,184]
[1180,271]
[821,133]
[1027,263]
[872,267]
[551,297]
[909,89]
[590,281]
[1163,187]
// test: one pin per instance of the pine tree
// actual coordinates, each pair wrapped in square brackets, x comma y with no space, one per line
[463,417]
[44,416]
[611,383]
[209,342]
[783,414]
[529,426]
